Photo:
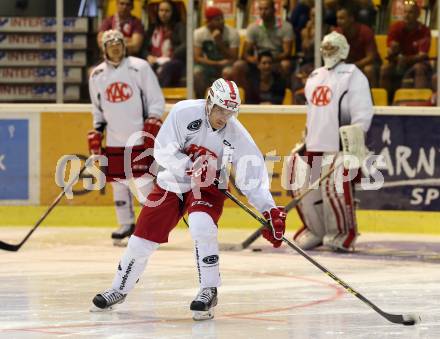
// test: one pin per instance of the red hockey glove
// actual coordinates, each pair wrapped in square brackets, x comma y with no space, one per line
[277,219]
[94,139]
[204,167]
[194,152]
[152,127]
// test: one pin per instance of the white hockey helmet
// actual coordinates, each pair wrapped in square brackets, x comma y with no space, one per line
[225,94]
[334,48]
[112,35]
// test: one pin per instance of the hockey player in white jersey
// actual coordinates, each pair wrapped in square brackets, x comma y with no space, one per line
[338,94]
[126,99]
[196,141]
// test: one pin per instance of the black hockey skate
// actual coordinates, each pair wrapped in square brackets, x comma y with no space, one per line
[124,231]
[204,303]
[106,300]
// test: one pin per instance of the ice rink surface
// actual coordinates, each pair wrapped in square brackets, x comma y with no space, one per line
[47,286]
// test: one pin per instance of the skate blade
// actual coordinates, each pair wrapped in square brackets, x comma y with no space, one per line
[95,309]
[120,242]
[203,315]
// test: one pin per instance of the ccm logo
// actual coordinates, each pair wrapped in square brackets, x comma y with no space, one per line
[210,260]
[201,202]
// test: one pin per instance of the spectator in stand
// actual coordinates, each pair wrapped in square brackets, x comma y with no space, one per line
[298,18]
[306,59]
[266,85]
[272,34]
[268,33]
[165,44]
[215,50]
[363,48]
[329,17]
[130,26]
[367,12]
[408,45]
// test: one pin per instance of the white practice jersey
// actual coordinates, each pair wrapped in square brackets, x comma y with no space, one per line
[123,97]
[188,124]
[335,97]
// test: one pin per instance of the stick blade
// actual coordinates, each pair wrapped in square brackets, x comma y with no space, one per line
[404,319]
[9,247]
[411,319]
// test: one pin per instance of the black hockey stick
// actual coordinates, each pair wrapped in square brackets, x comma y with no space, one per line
[291,205]
[405,319]
[15,248]
[257,233]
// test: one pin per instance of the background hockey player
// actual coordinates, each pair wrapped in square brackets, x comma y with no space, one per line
[126,99]
[337,94]
[196,138]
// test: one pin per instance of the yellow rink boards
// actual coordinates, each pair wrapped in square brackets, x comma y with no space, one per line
[233,217]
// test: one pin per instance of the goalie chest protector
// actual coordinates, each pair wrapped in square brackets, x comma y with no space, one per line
[325,91]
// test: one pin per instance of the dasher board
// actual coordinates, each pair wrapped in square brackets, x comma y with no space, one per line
[41,41]
[11,75]
[44,92]
[42,24]
[41,58]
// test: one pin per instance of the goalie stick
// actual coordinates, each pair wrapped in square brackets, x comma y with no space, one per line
[404,319]
[15,247]
[291,205]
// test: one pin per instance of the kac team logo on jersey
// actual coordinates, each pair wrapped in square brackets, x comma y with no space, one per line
[118,92]
[321,96]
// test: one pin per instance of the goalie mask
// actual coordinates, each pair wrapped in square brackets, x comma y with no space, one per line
[113,46]
[225,94]
[334,48]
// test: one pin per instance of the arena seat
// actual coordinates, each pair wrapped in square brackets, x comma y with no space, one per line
[433,48]
[174,94]
[413,97]
[288,100]
[380,96]
[381,42]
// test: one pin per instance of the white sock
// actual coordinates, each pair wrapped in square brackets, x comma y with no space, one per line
[123,203]
[133,263]
[204,233]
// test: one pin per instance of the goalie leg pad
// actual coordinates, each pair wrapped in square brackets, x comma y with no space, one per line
[204,233]
[310,207]
[307,240]
[339,213]
[133,263]
[311,214]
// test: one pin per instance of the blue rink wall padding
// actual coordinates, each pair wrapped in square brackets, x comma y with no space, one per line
[410,147]
[14,159]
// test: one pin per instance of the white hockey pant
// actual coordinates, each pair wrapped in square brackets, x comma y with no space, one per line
[204,234]
[133,263]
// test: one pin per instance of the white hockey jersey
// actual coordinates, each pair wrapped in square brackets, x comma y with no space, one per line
[335,97]
[188,124]
[123,97]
